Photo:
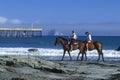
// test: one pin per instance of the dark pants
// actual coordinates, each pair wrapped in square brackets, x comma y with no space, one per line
[72,41]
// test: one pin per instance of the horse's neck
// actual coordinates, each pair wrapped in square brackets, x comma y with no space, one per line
[63,42]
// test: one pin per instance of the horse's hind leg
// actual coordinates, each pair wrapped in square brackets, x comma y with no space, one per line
[85,56]
[69,55]
[78,56]
[98,56]
[63,55]
[100,53]
[82,57]
[102,56]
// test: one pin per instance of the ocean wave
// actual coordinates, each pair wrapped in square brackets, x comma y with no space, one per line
[53,52]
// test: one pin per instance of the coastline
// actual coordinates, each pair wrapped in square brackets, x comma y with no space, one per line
[33,68]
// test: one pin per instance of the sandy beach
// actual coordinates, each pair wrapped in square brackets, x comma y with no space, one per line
[33,68]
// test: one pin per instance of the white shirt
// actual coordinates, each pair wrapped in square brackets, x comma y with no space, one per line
[89,38]
[74,36]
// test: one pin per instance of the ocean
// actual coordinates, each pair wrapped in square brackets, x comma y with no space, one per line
[47,49]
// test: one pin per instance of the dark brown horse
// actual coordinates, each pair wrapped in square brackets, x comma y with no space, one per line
[81,46]
[66,46]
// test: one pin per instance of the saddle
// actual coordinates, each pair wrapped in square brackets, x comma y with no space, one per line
[90,46]
[74,42]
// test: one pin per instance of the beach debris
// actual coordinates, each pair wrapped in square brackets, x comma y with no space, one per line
[118,49]
[32,50]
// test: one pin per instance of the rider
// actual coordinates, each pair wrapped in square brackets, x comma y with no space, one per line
[89,39]
[73,38]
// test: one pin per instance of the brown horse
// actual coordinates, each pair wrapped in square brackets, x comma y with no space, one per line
[94,45]
[81,46]
[66,46]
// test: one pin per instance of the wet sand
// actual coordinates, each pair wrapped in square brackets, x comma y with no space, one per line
[33,68]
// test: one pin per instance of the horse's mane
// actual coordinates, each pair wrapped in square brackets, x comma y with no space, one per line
[63,38]
[68,39]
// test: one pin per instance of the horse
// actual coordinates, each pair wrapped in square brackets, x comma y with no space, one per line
[81,46]
[94,45]
[66,47]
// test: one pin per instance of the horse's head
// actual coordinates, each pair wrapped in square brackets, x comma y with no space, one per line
[61,40]
[57,41]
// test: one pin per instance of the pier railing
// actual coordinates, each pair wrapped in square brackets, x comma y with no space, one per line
[20,32]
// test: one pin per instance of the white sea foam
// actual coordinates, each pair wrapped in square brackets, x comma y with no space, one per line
[53,52]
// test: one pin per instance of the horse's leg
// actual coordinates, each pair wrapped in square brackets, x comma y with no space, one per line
[82,56]
[85,56]
[63,55]
[69,55]
[98,56]
[78,55]
[102,56]
[100,53]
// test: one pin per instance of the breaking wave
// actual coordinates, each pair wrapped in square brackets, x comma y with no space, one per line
[55,54]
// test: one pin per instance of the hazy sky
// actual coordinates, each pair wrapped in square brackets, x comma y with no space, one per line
[100,17]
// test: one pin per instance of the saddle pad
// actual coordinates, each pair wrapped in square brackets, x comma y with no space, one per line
[75,43]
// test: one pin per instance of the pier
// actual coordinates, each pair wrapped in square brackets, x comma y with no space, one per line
[20,32]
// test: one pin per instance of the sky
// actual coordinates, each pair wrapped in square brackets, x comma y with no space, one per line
[99,17]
